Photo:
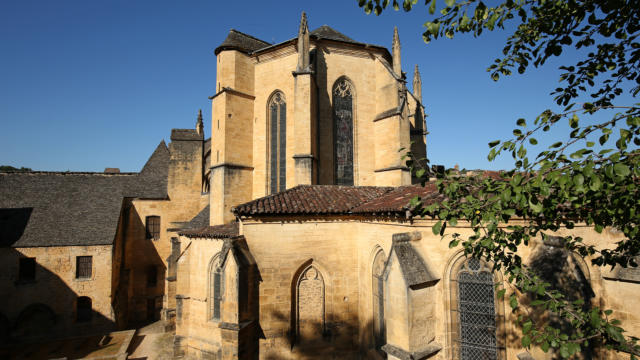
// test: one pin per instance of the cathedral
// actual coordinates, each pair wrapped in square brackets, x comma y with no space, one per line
[286,235]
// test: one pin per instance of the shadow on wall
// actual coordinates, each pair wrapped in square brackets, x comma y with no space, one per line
[566,273]
[338,340]
[324,121]
[39,305]
[145,270]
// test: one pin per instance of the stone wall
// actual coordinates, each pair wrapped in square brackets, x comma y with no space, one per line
[46,306]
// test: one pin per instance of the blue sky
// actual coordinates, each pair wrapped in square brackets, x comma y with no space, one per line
[86,85]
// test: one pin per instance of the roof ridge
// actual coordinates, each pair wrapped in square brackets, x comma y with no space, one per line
[249,36]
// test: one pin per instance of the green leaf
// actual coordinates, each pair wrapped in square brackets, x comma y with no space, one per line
[521,122]
[621,169]
[449,3]
[432,7]
[573,121]
[494,143]
[526,341]
[513,302]
[556,145]
[500,293]
[544,346]
[533,141]
[594,183]
[436,227]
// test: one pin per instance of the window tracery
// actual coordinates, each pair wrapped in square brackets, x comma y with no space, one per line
[310,305]
[216,287]
[277,142]
[474,311]
[343,94]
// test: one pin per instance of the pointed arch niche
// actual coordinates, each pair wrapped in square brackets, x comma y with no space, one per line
[216,287]
[343,96]
[377,295]
[308,305]
[277,142]
[476,314]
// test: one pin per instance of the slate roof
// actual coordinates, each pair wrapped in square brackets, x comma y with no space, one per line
[67,208]
[217,232]
[312,199]
[327,32]
[185,134]
[242,42]
[248,44]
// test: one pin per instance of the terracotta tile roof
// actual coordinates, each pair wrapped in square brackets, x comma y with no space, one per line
[312,199]
[398,199]
[217,232]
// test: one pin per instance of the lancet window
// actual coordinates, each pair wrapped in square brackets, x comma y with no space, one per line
[343,94]
[474,311]
[277,109]
[216,287]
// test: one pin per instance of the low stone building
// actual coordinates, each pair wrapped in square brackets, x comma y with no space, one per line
[87,252]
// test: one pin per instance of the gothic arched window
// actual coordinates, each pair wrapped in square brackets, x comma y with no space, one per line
[310,298]
[343,95]
[216,287]
[377,287]
[474,311]
[277,143]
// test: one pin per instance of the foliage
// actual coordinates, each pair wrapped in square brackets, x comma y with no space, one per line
[8,168]
[592,176]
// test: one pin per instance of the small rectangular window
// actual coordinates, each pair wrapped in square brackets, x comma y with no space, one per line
[27,269]
[153,227]
[83,267]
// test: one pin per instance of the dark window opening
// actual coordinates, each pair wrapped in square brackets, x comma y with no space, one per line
[152,276]
[343,132]
[27,269]
[83,309]
[153,227]
[277,143]
[83,267]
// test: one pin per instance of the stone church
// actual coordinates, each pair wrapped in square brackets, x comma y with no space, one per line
[287,234]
